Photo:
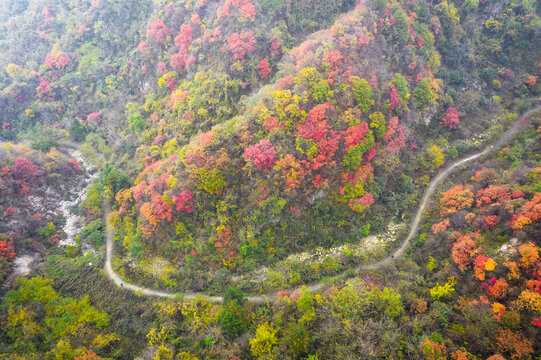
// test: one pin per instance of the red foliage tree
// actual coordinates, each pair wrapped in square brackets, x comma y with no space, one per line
[43,91]
[272,123]
[395,136]
[24,170]
[365,201]
[171,82]
[161,67]
[82,29]
[368,156]
[264,68]
[7,249]
[47,16]
[184,201]
[159,184]
[480,265]
[451,119]
[142,46]
[496,288]
[275,47]
[75,164]
[93,118]
[393,97]
[487,222]
[196,19]
[158,140]
[245,7]
[262,154]
[316,128]
[334,59]
[178,62]
[162,209]
[158,31]
[354,134]
[363,39]
[492,193]
[57,61]
[184,37]
[241,44]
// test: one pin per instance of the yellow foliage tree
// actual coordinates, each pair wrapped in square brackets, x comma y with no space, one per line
[264,341]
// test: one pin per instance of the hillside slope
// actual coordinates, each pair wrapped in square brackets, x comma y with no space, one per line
[247,147]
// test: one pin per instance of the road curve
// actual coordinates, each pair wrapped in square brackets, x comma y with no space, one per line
[398,252]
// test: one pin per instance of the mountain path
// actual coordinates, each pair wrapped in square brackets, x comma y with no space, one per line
[388,260]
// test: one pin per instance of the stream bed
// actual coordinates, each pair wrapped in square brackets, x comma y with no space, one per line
[73,224]
[67,207]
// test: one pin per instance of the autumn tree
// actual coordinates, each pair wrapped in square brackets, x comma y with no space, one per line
[485,175]
[359,140]
[393,97]
[401,86]
[423,93]
[464,249]
[457,198]
[57,61]
[262,154]
[245,7]
[24,170]
[67,329]
[7,249]
[184,202]
[264,68]
[451,119]
[515,345]
[363,93]
[433,350]
[158,31]
[395,137]
[315,138]
[264,341]
[241,44]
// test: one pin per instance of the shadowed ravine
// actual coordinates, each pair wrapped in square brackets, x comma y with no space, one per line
[517,127]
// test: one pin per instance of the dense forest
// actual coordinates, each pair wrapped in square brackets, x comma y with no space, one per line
[270,179]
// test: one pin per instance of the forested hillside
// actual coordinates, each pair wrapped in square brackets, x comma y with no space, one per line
[264,160]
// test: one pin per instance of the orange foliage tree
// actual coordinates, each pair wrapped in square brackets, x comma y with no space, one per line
[457,198]
[513,344]
[433,350]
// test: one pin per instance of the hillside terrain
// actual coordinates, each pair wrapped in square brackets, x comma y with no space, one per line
[33,186]
[267,179]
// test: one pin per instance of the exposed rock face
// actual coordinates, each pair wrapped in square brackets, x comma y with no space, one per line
[56,195]
[78,195]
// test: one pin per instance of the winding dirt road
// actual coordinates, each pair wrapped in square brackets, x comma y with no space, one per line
[517,127]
